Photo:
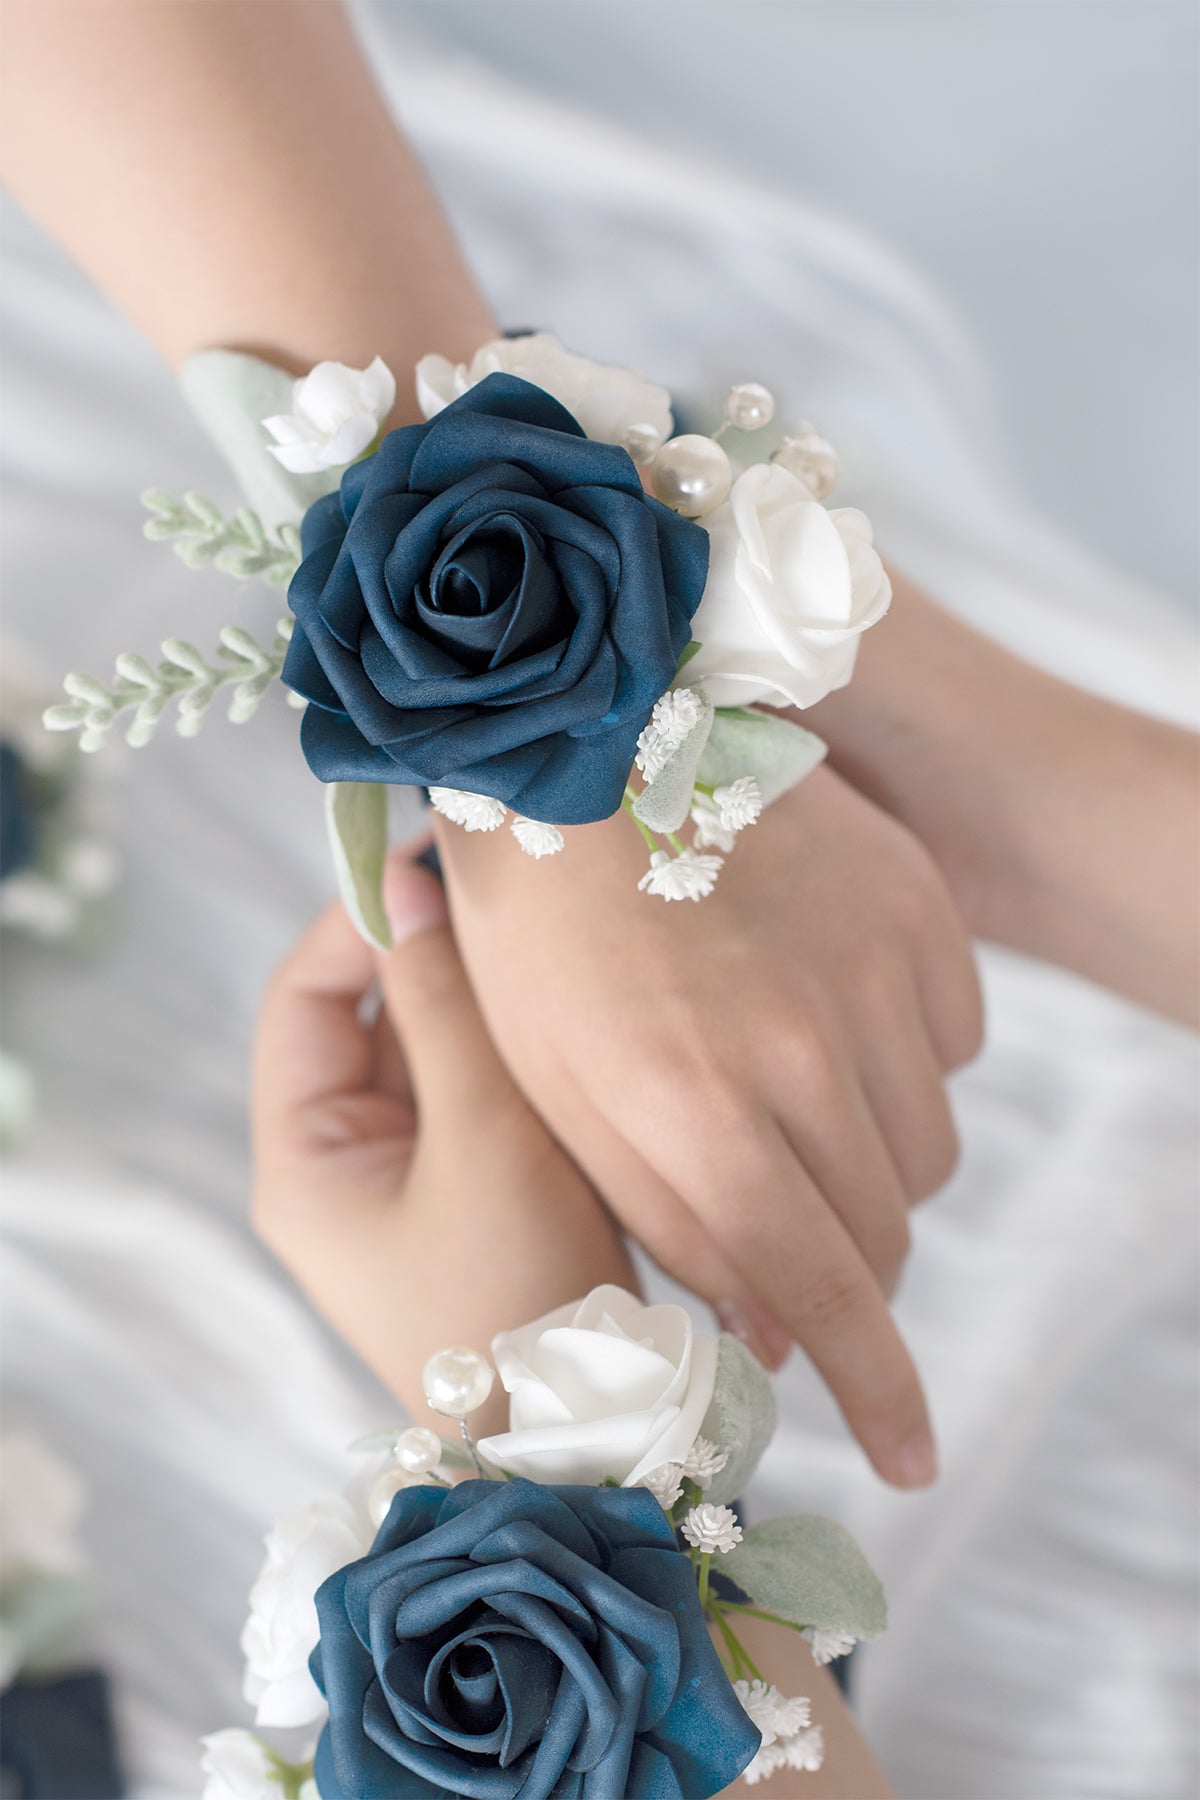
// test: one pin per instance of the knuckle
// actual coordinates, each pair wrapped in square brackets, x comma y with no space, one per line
[892,1245]
[832,1299]
[938,1158]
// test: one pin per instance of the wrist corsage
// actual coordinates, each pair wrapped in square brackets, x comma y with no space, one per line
[556,1610]
[537,605]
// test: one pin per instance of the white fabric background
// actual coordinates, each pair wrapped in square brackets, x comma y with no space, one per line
[1043,1596]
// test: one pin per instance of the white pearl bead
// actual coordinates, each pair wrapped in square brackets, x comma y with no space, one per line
[811,458]
[383,1491]
[691,475]
[642,441]
[419,1450]
[456,1381]
[749,406]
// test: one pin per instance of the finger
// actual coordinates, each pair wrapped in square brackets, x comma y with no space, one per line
[769,1219]
[390,1069]
[828,1123]
[451,1062]
[819,1284]
[653,1212]
[904,1082]
[948,983]
[311,1044]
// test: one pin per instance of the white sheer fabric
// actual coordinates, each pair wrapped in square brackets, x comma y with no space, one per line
[1042,1639]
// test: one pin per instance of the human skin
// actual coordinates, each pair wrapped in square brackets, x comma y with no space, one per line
[412,1192]
[1066,826]
[223,206]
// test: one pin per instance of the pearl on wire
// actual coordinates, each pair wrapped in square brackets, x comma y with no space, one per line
[419,1450]
[384,1489]
[691,475]
[642,442]
[749,406]
[810,457]
[457,1381]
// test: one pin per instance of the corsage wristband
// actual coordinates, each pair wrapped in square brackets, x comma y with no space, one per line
[559,1609]
[491,605]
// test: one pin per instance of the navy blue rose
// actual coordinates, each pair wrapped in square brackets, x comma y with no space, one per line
[491,602]
[503,1639]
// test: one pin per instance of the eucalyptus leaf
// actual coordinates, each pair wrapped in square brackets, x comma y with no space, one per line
[740,1419]
[775,751]
[231,394]
[665,802]
[356,816]
[810,1571]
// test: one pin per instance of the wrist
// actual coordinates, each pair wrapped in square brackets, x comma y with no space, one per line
[945,730]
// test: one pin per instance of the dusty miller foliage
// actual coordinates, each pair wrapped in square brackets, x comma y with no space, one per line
[141,693]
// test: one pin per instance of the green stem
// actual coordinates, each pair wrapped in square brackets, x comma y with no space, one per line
[733,1648]
[749,1666]
[676,843]
[645,830]
[702,1580]
[755,1612]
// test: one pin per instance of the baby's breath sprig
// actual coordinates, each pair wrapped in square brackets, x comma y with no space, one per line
[183,677]
[241,546]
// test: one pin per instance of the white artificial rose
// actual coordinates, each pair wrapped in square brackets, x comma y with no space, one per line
[336,412]
[606,1387]
[238,1767]
[303,1550]
[791,587]
[608,401]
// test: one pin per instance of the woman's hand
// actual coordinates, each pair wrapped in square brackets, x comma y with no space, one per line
[754,1083]
[399,1174]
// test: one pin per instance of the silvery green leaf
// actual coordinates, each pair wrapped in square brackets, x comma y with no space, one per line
[231,394]
[777,753]
[664,803]
[740,1419]
[810,1571]
[356,816]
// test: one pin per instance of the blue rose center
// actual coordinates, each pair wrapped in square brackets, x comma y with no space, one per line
[492,594]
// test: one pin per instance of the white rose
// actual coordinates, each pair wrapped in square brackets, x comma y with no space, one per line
[792,585]
[336,412]
[303,1549]
[605,1387]
[239,1767]
[608,401]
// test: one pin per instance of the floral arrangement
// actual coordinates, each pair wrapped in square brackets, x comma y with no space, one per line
[555,1610]
[538,605]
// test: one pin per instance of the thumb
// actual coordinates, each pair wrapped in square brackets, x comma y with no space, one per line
[450,1057]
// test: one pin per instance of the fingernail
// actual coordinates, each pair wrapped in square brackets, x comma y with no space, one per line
[758,1328]
[914,1464]
[413,899]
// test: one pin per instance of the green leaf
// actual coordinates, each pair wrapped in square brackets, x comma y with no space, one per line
[741,1417]
[231,394]
[664,804]
[356,816]
[687,653]
[777,753]
[809,1571]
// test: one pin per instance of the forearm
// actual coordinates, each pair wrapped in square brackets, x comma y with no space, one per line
[1067,826]
[228,174]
